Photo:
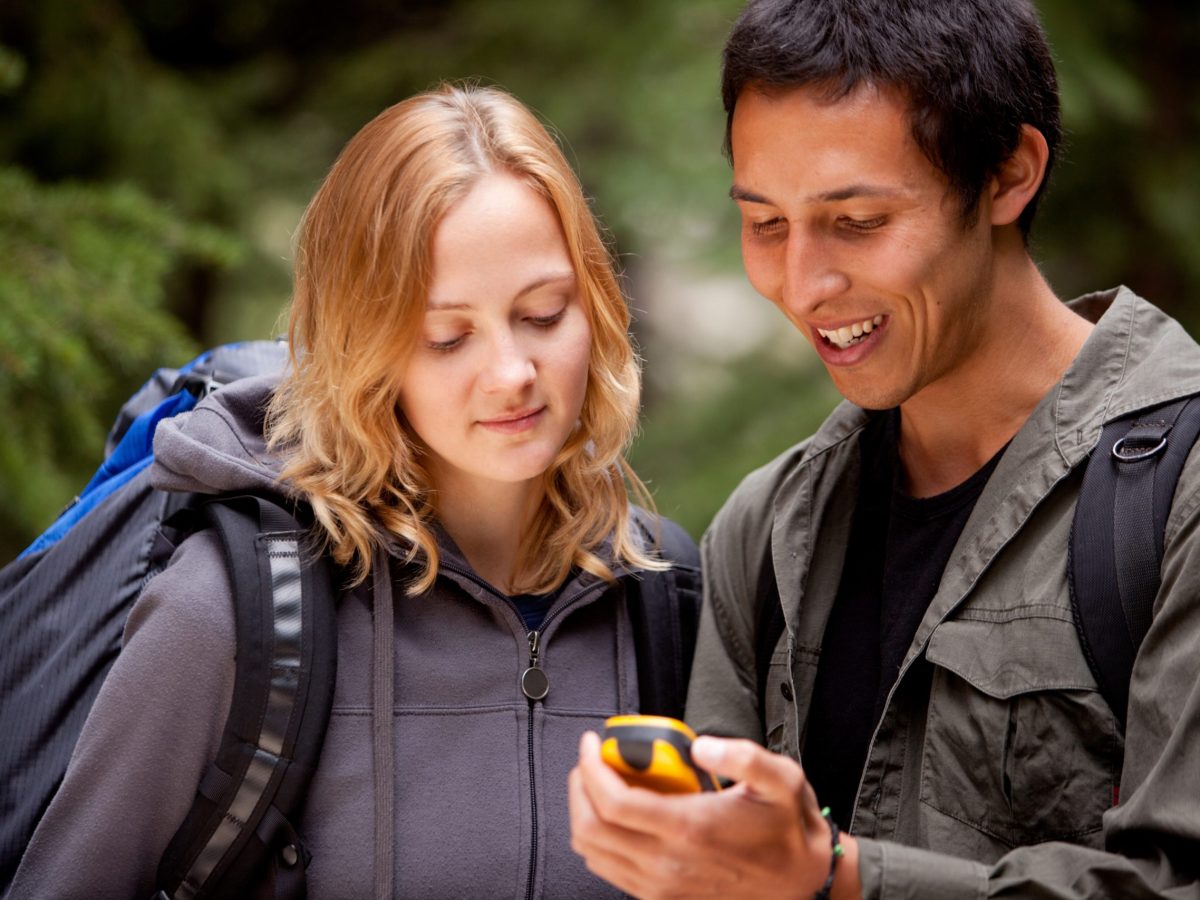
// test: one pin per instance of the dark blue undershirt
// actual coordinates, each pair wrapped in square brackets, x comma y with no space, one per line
[533,607]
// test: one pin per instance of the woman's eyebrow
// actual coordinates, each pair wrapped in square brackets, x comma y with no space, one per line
[539,282]
[542,281]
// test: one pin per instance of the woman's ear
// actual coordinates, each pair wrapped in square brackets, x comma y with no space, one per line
[1019,177]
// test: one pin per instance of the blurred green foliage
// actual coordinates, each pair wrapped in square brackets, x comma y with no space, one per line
[155,156]
[692,455]
[1124,203]
[82,297]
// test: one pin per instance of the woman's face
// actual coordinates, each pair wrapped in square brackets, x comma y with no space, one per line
[497,380]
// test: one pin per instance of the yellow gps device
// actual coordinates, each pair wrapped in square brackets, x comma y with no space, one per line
[654,752]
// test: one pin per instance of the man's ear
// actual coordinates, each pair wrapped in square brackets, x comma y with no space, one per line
[1019,177]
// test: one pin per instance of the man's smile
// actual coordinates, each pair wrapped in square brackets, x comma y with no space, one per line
[847,336]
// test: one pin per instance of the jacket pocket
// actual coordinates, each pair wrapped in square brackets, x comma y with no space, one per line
[1019,745]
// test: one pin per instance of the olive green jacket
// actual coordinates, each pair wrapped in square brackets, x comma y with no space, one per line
[995,775]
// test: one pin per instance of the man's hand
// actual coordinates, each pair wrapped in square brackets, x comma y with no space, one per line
[764,837]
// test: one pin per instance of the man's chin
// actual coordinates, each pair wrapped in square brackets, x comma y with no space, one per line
[869,397]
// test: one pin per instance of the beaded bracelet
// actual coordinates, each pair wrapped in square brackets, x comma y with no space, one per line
[835,838]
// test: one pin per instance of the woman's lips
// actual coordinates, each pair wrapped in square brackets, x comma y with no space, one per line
[514,423]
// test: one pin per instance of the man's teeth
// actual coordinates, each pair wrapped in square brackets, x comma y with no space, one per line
[849,335]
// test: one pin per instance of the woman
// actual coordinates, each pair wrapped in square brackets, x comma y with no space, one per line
[462,391]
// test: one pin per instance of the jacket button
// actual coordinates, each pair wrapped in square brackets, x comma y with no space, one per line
[290,855]
[786,690]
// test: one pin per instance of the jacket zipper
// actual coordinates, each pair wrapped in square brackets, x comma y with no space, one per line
[534,639]
[535,686]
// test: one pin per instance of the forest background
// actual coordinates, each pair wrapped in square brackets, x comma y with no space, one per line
[156,155]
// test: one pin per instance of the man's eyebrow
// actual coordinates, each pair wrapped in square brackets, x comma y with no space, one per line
[853,191]
[849,192]
[737,192]
[540,282]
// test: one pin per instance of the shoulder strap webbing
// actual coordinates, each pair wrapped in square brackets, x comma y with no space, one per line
[1116,546]
[239,832]
[664,608]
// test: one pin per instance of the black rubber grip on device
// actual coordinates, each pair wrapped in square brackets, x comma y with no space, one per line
[635,743]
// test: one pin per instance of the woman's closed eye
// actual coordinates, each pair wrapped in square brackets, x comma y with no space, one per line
[547,320]
[444,345]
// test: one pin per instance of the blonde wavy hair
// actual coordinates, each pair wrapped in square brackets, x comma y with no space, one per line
[362,272]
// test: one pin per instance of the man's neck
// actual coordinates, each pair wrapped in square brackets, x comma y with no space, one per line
[949,430]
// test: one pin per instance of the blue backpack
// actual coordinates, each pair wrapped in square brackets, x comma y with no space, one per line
[63,605]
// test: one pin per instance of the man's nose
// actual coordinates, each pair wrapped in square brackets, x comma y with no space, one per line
[509,367]
[812,273]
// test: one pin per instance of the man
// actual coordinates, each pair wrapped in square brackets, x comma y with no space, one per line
[887,161]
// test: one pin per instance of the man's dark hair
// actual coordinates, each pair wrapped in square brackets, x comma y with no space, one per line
[972,71]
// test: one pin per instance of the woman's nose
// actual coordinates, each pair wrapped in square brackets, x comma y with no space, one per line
[509,367]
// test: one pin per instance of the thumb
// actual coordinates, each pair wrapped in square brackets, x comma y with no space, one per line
[766,774]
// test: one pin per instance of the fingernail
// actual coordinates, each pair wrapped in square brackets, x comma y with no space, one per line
[708,752]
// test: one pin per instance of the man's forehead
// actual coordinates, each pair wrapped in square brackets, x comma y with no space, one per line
[804,145]
[860,100]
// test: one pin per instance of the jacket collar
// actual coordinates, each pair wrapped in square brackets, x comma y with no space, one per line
[456,566]
[1136,358]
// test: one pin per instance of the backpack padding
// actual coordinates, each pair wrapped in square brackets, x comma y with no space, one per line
[62,612]
[166,394]
[130,458]
[242,818]
[211,369]
[664,608]
[1116,545]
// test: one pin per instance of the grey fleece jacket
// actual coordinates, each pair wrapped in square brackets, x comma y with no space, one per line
[477,773]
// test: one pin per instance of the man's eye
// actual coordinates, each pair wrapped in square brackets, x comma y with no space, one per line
[770,226]
[862,224]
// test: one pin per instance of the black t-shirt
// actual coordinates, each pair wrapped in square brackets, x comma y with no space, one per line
[899,546]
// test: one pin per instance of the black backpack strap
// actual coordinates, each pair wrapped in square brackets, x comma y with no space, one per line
[664,608]
[238,839]
[1116,547]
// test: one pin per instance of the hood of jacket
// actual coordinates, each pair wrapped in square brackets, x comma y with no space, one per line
[219,446]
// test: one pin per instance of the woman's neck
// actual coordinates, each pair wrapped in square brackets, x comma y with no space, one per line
[488,522]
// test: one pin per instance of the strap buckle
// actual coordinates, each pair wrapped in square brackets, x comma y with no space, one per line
[1120,454]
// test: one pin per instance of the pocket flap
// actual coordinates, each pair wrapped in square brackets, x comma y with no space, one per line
[1006,658]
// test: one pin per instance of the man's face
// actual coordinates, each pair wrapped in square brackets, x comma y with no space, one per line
[853,233]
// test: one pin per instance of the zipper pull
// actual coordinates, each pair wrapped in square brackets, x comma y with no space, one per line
[534,683]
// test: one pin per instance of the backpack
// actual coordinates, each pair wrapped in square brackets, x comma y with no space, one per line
[1114,558]
[1115,551]
[63,605]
